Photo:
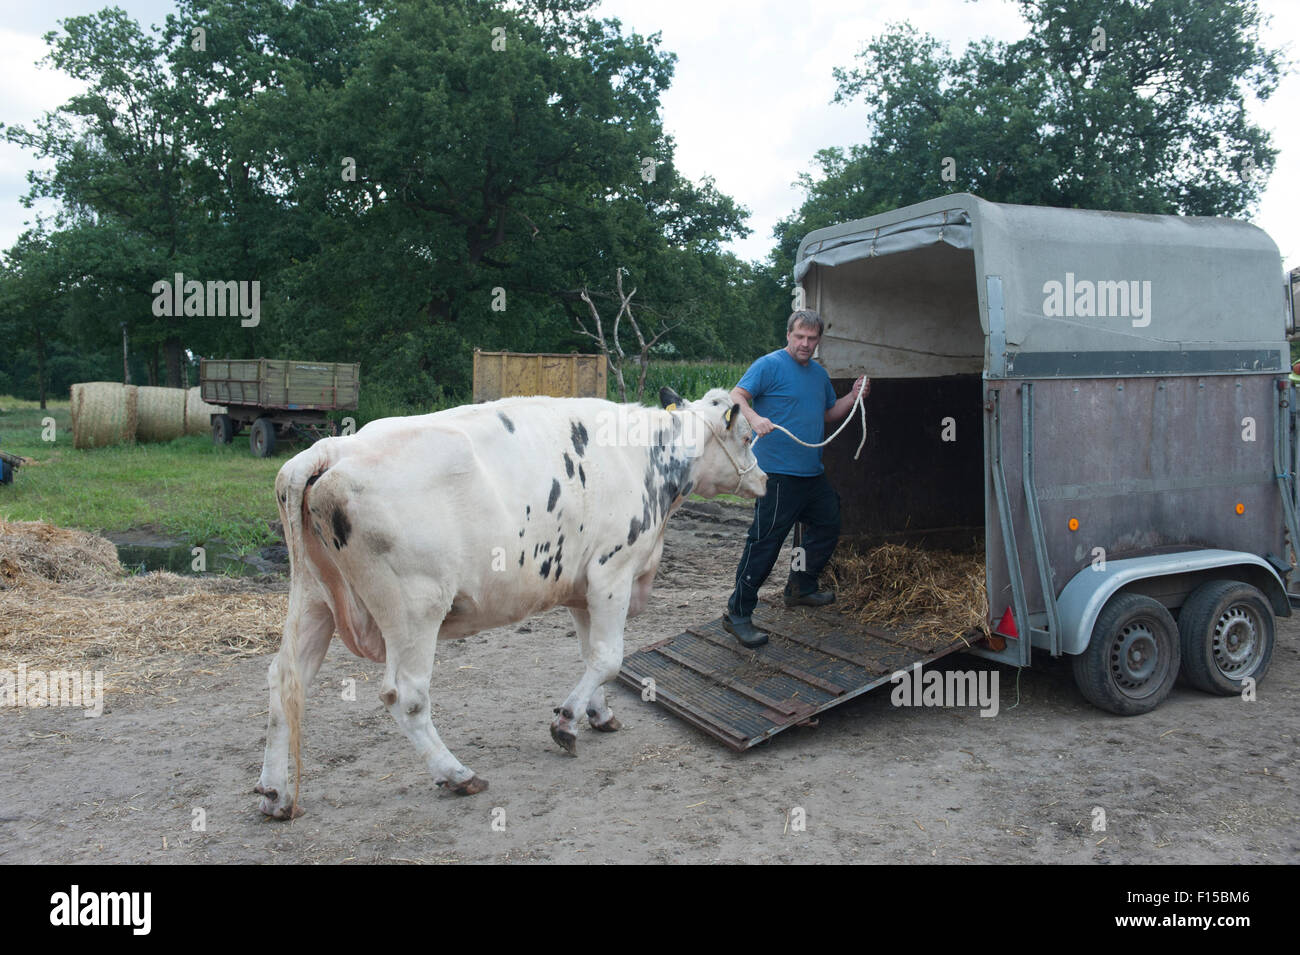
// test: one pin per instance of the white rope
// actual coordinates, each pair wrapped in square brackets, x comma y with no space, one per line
[857,406]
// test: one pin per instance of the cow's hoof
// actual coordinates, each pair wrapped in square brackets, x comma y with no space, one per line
[470,787]
[611,725]
[568,742]
[271,805]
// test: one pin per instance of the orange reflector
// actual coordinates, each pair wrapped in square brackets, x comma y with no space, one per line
[1074,523]
[1007,625]
[1241,508]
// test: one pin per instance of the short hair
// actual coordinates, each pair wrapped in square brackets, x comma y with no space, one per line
[805,316]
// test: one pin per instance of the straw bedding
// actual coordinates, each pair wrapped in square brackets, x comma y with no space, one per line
[936,595]
[65,604]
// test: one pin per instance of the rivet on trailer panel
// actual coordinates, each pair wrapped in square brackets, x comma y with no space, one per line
[1240,508]
[1074,524]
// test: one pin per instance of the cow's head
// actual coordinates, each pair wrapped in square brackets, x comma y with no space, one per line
[721,436]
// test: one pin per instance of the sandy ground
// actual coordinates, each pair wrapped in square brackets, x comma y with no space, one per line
[1202,779]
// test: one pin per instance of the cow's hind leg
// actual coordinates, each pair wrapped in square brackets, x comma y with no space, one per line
[602,652]
[405,692]
[307,632]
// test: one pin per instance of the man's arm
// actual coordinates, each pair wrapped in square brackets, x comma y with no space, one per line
[756,421]
[842,407]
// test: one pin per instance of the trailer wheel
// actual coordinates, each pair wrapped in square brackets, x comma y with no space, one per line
[1132,660]
[223,430]
[261,437]
[1227,630]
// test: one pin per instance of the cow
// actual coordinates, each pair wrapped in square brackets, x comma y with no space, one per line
[439,526]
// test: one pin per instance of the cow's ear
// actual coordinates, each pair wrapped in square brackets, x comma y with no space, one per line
[732,414]
[670,399]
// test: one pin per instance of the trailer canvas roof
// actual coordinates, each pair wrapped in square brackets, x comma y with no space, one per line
[1057,292]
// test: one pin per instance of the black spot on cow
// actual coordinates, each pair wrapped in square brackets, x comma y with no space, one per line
[521,532]
[342,528]
[546,547]
[605,557]
[558,569]
[578,434]
[510,425]
[536,548]
[579,528]
[633,531]
[545,568]
[555,494]
[315,477]
[528,510]
[559,543]
[521,558]
[568,464]
[582,475]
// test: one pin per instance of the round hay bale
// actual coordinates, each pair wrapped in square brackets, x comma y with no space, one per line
[104,413]
[198,413]
[161,414]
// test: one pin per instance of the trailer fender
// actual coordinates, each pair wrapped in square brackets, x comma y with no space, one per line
[1081,601]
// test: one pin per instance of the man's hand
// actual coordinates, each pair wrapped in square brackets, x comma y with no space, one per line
[863,385]
[761,425]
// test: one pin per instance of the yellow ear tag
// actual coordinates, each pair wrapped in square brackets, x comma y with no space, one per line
[671,407]
[726,416]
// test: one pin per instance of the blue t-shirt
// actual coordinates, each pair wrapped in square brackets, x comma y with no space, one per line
[794,396]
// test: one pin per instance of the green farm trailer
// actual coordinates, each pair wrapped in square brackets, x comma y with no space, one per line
[276,398]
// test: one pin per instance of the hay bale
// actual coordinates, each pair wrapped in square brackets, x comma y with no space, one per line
[34,550]
[937,594]
[161,414]
[104,413]
[198,412]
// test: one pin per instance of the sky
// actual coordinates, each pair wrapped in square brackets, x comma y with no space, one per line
[750,102]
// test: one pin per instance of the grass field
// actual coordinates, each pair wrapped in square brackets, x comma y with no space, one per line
[187,488]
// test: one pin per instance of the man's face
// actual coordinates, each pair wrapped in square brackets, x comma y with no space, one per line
[801,341]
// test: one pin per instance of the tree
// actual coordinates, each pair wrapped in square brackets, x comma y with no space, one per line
[1136,106]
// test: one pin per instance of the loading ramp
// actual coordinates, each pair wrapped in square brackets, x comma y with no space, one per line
[815,658]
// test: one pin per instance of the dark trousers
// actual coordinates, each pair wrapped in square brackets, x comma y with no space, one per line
[789,500]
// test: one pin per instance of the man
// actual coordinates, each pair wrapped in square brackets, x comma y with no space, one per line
[788,388]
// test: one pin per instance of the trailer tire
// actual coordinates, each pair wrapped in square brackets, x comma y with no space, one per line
[261,438]
[1132,660]
[1227,629]
[223,429]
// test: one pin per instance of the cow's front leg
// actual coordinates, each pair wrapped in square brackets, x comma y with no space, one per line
[599,715]
[602,652]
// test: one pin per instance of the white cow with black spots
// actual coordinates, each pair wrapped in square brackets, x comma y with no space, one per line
[439,526]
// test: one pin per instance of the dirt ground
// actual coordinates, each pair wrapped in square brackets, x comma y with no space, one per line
[167,776]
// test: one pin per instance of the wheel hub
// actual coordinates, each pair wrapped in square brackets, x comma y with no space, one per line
[1135,660]
[1236,644]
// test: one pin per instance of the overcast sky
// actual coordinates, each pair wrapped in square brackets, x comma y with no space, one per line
[749,105]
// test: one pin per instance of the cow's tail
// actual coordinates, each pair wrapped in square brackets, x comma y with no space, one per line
[291,486]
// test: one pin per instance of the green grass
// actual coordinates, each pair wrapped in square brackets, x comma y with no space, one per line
[187,488]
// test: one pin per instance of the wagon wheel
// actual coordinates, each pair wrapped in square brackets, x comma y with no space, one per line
[262,438]
[223,429]
[1227,632]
